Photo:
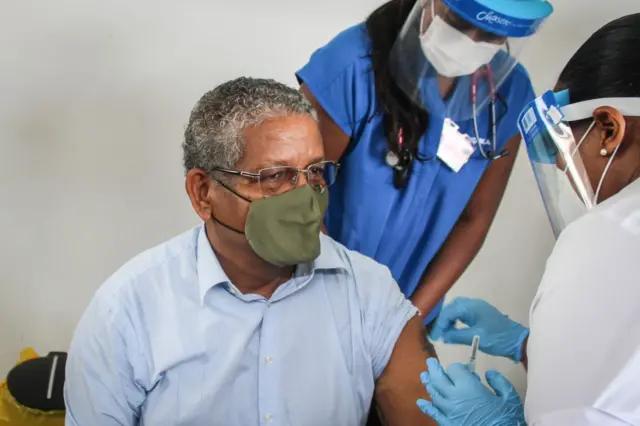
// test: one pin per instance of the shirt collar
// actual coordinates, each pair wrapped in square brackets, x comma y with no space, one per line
[211,274]
[329,257]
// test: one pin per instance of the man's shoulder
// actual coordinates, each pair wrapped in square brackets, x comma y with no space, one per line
[151,267]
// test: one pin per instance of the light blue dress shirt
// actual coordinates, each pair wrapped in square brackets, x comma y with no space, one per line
[169,341]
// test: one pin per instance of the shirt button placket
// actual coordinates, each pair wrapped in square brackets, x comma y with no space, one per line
[268,370]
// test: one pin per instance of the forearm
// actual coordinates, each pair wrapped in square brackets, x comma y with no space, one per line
[460,248]
[467,237]
[523,357]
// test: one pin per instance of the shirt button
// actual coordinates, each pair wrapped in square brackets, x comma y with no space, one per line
[268,360]
[268,418]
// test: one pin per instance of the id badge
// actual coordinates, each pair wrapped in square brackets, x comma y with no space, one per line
[455,148]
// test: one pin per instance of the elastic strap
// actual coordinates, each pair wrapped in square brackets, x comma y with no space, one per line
[629,107]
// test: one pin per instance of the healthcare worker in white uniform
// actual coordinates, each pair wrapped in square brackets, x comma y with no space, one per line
[583,348]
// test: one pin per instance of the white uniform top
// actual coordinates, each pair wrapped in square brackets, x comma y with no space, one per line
[584,347]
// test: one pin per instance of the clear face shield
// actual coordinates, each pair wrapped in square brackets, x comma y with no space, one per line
[452,56]
[553,150]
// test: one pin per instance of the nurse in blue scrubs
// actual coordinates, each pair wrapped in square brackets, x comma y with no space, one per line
[419,104]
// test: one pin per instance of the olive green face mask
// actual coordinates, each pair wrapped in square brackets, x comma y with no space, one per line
[284,229]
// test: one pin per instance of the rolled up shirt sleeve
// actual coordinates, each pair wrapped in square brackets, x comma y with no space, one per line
[385,310]
[101,388]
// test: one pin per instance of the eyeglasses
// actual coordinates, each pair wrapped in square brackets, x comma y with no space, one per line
[280,179]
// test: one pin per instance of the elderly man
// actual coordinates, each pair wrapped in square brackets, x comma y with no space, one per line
[255,317]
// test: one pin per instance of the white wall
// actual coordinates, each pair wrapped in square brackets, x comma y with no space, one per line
[94,98]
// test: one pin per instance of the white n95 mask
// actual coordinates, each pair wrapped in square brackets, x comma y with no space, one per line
[451,52]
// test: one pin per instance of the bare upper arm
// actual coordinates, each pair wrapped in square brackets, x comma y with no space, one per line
[335,140]
[486,198]
[399,386]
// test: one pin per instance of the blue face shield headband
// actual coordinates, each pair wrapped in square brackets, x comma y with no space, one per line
[553,151]
[544,122]
[506,18]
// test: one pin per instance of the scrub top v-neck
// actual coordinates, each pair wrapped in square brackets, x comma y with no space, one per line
[400,228]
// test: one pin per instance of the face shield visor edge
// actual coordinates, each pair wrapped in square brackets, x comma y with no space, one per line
[554,154]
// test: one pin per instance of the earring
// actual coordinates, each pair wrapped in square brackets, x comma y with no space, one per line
[603,152]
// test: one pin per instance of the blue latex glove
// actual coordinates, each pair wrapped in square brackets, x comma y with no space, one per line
[459,398]
[498,334]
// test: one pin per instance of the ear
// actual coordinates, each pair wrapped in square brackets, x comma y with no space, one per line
[611,125]
[199,189]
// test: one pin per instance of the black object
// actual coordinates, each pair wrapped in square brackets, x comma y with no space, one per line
[374,417]
[38,383]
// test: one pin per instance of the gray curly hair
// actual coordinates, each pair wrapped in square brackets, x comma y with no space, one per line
[213,138]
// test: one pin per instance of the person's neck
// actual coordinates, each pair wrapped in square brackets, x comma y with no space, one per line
[249,273]
[445,84]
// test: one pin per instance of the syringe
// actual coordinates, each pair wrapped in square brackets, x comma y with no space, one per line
[471,365]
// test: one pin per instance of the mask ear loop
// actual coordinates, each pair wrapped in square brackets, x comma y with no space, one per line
[570,161]
[433,15]
[606,168]
[582,139]
[604,174]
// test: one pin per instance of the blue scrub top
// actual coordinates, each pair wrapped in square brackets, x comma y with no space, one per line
[403,229]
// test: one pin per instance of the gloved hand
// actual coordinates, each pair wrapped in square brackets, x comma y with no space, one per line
[498,334]
[460,398]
